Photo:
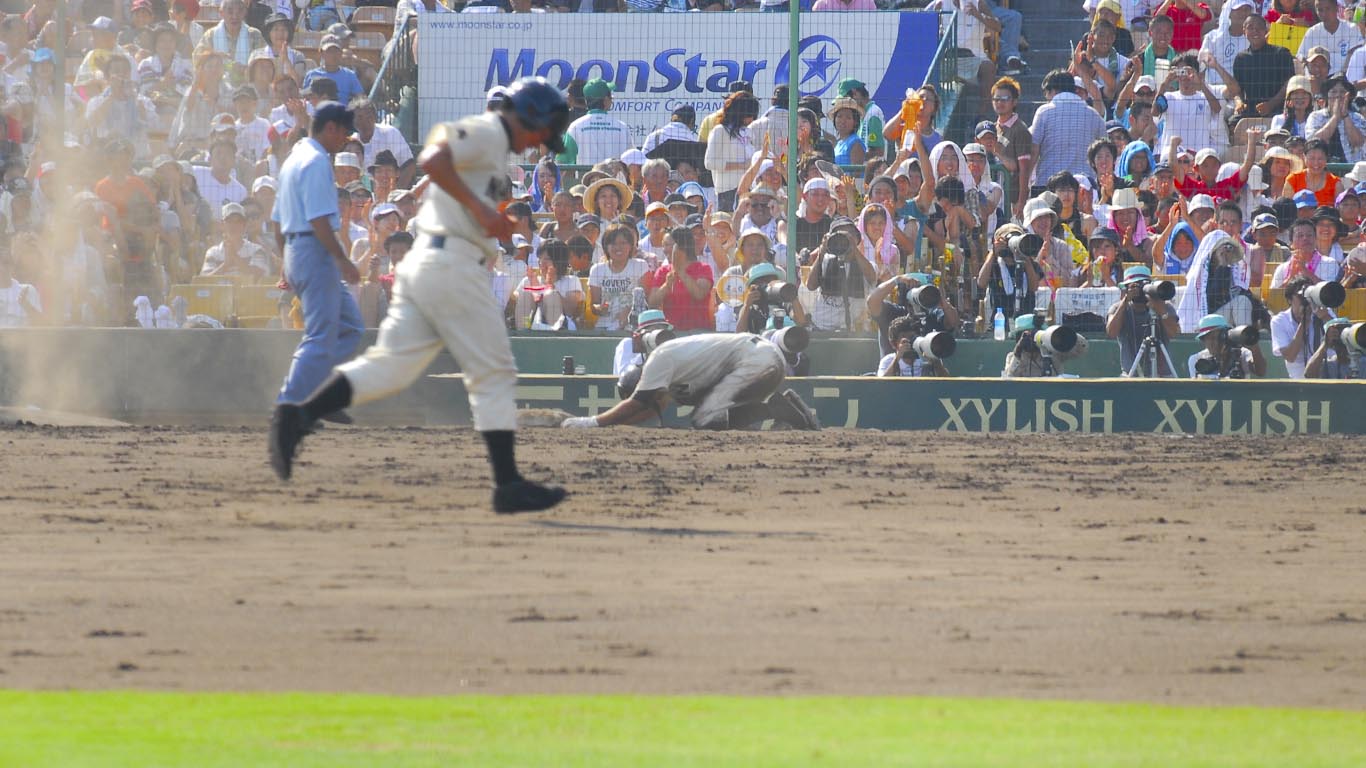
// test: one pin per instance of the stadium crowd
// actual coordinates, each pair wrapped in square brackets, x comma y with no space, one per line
[1185,141]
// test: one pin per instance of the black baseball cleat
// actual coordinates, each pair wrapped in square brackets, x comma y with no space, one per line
[789,408]
[338,417]
[526,496]
[287,430]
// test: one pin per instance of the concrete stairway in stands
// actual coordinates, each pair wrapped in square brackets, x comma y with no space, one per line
[1049,25]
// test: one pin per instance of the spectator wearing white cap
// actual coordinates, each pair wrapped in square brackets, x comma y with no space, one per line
[991,192]
[813,216]
[235,255]
[634,160]
[1331,33]
[1206,179]
[103,47]
[1054,259]
[367,252]
[346,168]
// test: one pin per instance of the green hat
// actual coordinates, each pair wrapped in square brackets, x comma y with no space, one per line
[760,271]
[597,88]
[849,84]
[1136,273]
[920,277]
[1024,323]
[1337,321]
[1210,323]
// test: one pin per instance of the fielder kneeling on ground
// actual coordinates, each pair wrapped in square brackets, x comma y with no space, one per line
[731,379]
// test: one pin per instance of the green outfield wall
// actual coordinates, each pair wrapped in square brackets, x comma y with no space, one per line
[231,377]
[1029,405]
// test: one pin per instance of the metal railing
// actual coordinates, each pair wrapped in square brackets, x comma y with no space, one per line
[398,72]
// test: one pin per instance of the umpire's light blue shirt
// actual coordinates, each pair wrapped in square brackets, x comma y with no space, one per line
[307,189]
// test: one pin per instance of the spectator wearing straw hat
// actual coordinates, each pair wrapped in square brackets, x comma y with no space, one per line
[847,114]
[596,136]
[607,198]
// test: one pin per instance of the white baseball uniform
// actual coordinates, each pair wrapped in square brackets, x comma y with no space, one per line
[442,294]
[714,372]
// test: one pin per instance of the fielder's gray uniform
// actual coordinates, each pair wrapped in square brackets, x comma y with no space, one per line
[441,291]
[714,372]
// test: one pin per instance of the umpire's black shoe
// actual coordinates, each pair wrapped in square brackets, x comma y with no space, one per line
[526,496]
[287,428]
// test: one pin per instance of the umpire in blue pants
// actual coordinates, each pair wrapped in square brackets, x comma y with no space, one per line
[306,220]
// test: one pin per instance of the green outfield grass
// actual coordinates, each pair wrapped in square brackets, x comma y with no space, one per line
[55,730]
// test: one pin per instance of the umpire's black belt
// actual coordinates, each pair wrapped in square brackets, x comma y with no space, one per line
[292,236]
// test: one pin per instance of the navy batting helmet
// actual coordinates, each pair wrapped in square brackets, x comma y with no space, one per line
[538,104]
[626,383]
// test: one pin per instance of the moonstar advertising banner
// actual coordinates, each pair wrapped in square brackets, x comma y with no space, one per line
[658,62]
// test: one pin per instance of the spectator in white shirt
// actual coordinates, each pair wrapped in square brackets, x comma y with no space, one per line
[611,283]
[1225,43]
[1305,259]
[679,128]
[253,132]
[551,293]
[728,147]
[119,110]
[19,302]
[217,183]
[596,136]
[1331,33]
[1297,331]
[236,255]
[378,137]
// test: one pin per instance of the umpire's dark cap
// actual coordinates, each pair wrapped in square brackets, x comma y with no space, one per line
[332,112]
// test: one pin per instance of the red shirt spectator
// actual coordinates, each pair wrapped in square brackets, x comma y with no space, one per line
[685,298]
[1188,17]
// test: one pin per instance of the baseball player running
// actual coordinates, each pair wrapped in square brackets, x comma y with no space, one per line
[442,296]
[732,380]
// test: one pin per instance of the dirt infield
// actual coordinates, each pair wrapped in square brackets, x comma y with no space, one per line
[1113,568]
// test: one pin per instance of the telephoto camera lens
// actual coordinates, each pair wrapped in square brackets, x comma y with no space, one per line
[793,339]
[1355,338]
[1057,340]
[837,244]
[1160,289]
[778,292]
[1243,336]
[935,346]
[1027,245]
[926,297]
[1326,295]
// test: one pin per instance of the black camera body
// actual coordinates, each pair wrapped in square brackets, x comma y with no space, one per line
[1155,289]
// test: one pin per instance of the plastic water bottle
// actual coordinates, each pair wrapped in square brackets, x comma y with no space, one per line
[638,305]
[998,323]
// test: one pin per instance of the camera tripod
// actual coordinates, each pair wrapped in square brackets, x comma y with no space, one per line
[1048,370]
[1147,356]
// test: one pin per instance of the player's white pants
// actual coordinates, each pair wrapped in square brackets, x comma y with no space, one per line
[442,297]
[753,378]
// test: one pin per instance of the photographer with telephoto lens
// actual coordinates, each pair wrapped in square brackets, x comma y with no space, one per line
[1010,274]
[1143,313]
[768,301]
[1229,353]
[1334,359]
[1299,330]
[913,293]
[839,276]
[915,352]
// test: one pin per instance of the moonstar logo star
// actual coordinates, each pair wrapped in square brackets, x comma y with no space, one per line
[820,55]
